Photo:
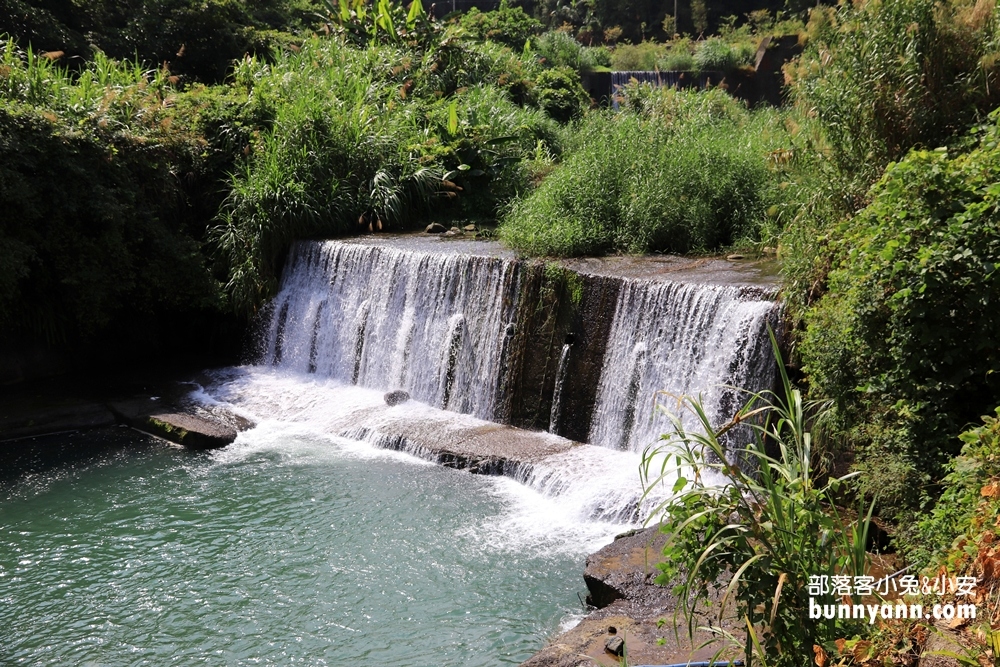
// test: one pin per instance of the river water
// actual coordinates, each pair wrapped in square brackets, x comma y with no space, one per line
[288,547]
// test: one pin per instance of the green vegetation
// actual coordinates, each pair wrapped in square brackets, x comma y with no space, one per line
[906,73]
[954,530]
[905,338]
[183,190]
[678,172]
[373,139]
[770,526]
[890,285]
[98,218]
[507,25]
[198,40]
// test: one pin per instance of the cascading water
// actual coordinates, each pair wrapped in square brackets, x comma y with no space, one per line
[386,318]
[445,327]
[671,338]
[556,412]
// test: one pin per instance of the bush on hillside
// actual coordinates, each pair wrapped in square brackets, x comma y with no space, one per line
[505,25]
[675,172]
[904,339]
[560,94]
[884,77]
[371,139]
[198,39]
[715,55]
[558,49]
[956,522]
[635,57]
[96,186]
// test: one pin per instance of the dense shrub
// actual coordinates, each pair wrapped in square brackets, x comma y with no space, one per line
[198,39]
[676,171]
[506,25]
[560,94]
[371,139]
[887,76]
[715,55]
[676,61]
[95,185]
[558,49]
[971,495]
[634,57]
[595,57]
[904,340]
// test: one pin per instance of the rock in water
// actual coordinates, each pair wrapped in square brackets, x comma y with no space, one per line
[436,228]
[396,397]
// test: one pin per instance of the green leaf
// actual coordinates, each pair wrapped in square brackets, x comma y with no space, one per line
[415,14]
[453,118]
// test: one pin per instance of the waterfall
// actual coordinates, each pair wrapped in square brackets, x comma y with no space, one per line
[556,413]
[460,331]
[384,317]
[467,328]
[672,338]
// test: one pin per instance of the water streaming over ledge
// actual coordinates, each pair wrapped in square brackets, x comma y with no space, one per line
[670,339]
[390,318]
[450,325]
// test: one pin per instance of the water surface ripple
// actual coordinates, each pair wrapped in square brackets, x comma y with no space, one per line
[285,548]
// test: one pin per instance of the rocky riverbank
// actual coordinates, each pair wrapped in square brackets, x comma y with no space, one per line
[629,606]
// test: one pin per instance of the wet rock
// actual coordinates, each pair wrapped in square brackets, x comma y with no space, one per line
[191,431]
[626,568]
[396,397]
[436,228]
[469,228]
[735,256]
[456,230]
[615,645]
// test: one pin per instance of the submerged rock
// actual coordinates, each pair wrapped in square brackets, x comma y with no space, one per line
[396,397]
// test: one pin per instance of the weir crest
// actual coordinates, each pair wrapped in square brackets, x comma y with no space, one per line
[588,353]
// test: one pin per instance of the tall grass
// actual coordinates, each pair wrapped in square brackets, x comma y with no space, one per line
[367,139]
[884,77]
[675,172]
[95,175]
[759,521]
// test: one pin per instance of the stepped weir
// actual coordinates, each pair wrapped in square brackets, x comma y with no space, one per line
[582,349]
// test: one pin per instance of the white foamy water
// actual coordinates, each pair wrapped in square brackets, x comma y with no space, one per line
[670,339]
[355,319]
[573,501]
[383,317]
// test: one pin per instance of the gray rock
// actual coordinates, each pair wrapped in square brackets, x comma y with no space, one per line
[451,233]
[191,431]
[456,230]
[436,228]
[469,228]
[615,646]
[396,397]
